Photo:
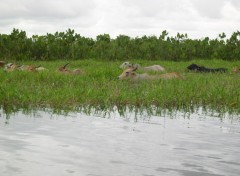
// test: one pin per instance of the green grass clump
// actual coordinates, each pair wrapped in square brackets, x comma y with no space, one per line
[100,88]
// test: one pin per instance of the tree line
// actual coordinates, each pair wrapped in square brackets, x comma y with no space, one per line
[70,45]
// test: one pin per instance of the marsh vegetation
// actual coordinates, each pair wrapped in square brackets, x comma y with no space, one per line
[99,87]
[91,78]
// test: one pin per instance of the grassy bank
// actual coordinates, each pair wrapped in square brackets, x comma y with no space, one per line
[100,88]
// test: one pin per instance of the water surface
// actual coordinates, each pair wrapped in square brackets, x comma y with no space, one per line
[81,145]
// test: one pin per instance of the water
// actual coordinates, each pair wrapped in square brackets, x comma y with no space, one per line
[81,145]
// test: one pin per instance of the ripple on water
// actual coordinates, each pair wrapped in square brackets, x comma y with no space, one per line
[81,145]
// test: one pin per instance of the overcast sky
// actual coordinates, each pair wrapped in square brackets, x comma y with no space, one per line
[197,18]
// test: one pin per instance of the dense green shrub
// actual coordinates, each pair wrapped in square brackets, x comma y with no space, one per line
[69,45]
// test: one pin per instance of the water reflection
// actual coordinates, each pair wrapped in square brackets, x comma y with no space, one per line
[42,143]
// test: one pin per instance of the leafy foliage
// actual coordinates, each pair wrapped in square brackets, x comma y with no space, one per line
[69,45]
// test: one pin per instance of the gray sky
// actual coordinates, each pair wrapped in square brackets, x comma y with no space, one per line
[197,18]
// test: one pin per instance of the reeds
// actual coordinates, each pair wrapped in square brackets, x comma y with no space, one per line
[100,88]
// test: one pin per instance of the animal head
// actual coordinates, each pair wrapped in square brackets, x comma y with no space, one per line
[63,68]
[126,65]
[193,67]
[11,67]
[128,73]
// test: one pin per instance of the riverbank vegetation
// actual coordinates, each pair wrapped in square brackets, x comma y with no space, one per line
[69,45]
[100,88]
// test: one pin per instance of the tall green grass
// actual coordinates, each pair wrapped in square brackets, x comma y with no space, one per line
[99,88]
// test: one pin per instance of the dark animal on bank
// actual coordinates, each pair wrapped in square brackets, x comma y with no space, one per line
[195,67]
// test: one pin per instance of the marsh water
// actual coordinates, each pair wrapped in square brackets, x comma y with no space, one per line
[77,144]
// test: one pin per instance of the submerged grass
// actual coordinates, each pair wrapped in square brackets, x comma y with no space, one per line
[99,88]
